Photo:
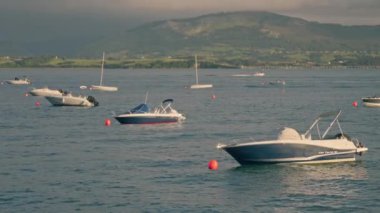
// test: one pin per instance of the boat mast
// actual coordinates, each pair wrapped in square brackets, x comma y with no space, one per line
[101,73]
[196,70]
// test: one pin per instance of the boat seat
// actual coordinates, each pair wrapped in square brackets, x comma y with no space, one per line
[289,134]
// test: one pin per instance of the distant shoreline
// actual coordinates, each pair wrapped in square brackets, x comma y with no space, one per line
[175,63]
[261,68]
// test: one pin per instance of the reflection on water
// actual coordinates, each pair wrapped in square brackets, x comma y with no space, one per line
[154,127]
[348,171]
[65,158]
[324,180]
[294,187]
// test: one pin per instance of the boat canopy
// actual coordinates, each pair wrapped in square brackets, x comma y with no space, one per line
[142,108]
[168,100]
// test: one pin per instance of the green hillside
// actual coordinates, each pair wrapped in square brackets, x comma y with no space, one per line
[234,39]
[245,33]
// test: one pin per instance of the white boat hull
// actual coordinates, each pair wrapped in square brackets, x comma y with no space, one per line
[45,92]
[18,82]
[200,86]
[103,88]
[368,104]
[69,101]
[259,74]
[371,101]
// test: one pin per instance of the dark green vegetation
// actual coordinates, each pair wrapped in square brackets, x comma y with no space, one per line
[228,40]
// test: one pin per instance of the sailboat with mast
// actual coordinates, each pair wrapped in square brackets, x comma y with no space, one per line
[197,85]
[101,87]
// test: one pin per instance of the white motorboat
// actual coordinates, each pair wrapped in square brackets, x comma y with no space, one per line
[242,75]
[102,87]
[256,74]
[197,85]
[68,99]
[45,91]
[371,101]
[292,147]
[259,74]
[19,81]
[143,115]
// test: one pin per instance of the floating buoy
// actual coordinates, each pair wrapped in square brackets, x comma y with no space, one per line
[355,104]
[26,94]
[107,122]
[213,97]
[37,104]
[213,165]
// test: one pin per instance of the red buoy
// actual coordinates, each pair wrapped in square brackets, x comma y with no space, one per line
[355,104]
[107,122]
[26,94]
[213,97]
[213,165]
[37,104]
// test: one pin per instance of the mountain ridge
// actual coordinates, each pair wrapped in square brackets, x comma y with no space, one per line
[248,35]
[239,30]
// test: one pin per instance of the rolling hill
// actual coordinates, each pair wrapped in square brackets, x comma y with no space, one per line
[233,39]
[240,34]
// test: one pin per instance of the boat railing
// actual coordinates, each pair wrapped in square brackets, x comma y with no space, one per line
[357,142]
[315,124]
[167,108]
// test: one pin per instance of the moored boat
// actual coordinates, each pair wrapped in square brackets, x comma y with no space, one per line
[293,147]
[19,81]
[45,91]
[259,74]
[72,100]
[197,85]
[142,114]
[102,87]
[371,101]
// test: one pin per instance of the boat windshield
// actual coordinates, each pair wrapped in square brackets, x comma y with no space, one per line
[142,108]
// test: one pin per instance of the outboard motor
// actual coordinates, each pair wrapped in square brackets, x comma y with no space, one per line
[93,100]
[340,136]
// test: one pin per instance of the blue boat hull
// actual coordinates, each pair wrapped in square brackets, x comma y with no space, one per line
[146,120]
[287,153]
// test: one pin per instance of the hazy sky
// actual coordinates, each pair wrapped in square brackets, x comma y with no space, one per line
[335,11]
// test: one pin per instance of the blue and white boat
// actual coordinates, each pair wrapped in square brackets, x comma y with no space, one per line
[293,147]
[142,114]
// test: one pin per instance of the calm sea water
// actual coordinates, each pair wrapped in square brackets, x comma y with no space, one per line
[65,159]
